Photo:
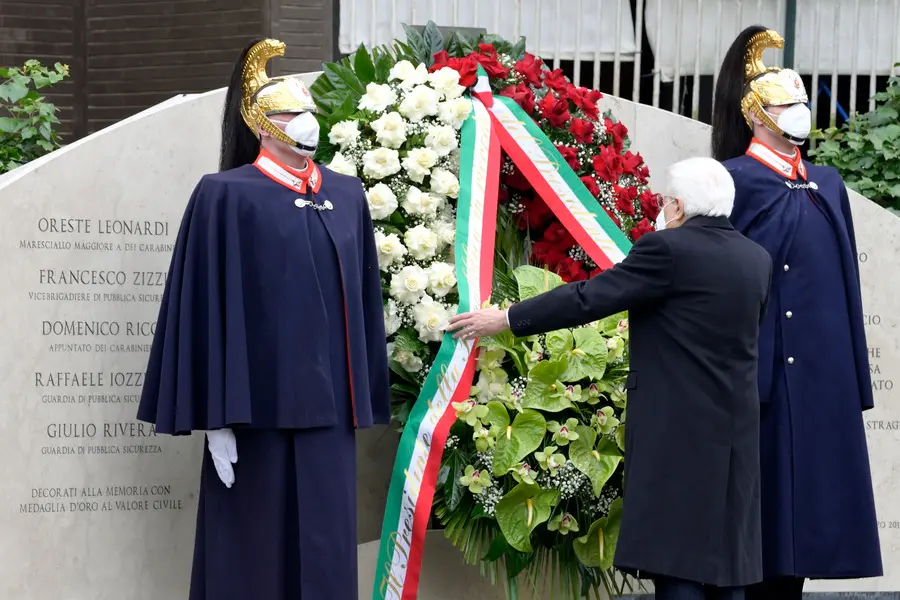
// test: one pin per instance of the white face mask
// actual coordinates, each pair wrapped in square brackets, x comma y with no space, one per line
[661,221]
[304,130]
[795,122]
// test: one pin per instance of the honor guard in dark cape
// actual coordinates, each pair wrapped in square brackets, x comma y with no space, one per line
[271,340]
[818,509]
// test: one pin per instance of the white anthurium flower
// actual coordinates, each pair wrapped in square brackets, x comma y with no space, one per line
[378,98]
[390,130]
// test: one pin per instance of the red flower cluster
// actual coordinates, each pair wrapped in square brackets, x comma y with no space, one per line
[591,144]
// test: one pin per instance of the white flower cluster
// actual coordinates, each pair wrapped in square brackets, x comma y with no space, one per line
[405,148]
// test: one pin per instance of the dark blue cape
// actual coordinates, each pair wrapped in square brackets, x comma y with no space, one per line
[818,506]
[242,337]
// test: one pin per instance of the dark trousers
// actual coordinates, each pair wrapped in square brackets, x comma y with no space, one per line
[787,588]
[670,588]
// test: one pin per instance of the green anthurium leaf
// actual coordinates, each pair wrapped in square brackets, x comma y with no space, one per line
[497,415]
[383,63]
[363,65]
[521,510]
[560,343]
[533,281]
[598,547]
[610,324]
[587,360]
[620,436]
[518,440]
[434,41]
[505,340]
[344,79]
[598,467]
[544,390]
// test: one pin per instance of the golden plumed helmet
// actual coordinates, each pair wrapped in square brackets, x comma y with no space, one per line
[263,96]
[768,86]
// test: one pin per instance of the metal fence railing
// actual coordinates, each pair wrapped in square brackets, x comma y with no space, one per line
[666,52]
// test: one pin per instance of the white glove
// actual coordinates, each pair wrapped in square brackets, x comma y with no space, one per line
[223,448]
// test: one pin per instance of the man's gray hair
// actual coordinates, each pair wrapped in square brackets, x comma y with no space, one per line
[703,185]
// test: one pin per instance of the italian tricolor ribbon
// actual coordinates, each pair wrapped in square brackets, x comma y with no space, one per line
[494,123]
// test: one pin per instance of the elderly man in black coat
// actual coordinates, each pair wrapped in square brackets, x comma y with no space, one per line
[696,292]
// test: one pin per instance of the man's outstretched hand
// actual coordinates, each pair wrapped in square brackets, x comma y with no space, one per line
[478,323]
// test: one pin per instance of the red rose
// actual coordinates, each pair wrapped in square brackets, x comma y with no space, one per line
[625,198]
[523,96]
[554,110]
[591,184]
[572,270]
[546,253]
[466,67]
[582,130]
[557,234]
[649,205]
[608,164]
[487,56]
[642,228]
[586,100]
[531,68]
[555,80]
[536,214]
[633,164]
[571,156]
[516,180]
[617,131]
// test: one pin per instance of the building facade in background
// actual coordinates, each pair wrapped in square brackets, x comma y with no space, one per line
[127,55]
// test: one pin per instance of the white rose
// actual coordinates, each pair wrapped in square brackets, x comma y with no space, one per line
[340,164]
[421,102]
[441,278]
[418,163]
[378,98]
[408,75]
[442,139]
[344,133]
[431,319]
[382,201]
[421,241]
[445,230]
[390,249]
[446,81]
[445,183]
[381,163]
[409,284]
[455,112]
[422,203]
[390,130]
[392,320]
[409,361]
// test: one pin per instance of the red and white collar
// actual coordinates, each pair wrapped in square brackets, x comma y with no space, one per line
[295,179]
[789,167]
